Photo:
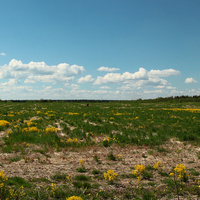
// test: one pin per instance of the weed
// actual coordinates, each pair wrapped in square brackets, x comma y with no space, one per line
[96,171]
[15,159]
[96,158]
[111,156]
[82,178]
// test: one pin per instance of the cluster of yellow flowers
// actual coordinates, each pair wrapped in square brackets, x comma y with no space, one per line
[139,171]
[31,129]
[13,193]
[110,175]
[183,109]
[74,198]
[8,132]
[118,113]
[120,156]
[29,123]
[3,178]
[180,171]
[108,139]
[70,113]
[159,165]
[74,140]
[51,130]
[69,177]
[4,123]
[81,163]
[11,115]
[53,188]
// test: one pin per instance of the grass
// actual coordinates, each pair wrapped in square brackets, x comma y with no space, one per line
[106,127]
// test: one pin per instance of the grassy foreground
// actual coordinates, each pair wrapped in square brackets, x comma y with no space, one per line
[113,150]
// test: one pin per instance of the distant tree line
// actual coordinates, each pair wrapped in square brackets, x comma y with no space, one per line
[171,99]
[175,99]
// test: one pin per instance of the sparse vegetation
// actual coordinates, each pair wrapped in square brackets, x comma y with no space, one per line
[66,150]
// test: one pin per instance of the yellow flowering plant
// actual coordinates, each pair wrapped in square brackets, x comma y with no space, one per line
[51,130]
[158,166]
[3,179]
[69,178]
[120,157]
[74,140]
[139,171]
[110,175]
[53,188]
[4,123]
[107,141]
[74,198]
[180,173]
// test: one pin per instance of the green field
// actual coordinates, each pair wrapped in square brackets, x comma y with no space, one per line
[56,150]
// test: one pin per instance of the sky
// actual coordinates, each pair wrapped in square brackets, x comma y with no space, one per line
[99,49]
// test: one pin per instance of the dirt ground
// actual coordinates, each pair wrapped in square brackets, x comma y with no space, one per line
[37,165]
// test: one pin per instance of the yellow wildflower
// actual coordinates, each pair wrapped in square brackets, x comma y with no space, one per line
[110,175]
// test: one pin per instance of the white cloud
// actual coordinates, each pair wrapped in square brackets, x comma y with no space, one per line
[11,82]
[117,77]
[2,54]
[85,79]
[190,80]
[145,77]
[153,91]
[75,86]
[40,71]
[107,69]
[104,87]
[48,88]
[160,86]
[171,88]
[163,73]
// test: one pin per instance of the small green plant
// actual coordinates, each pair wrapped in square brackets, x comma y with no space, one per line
[111,156]
[81,168]
[59,177]
[81,178]
[96,172]
[96,158]
[84,185]
[107,142]
[162,150]
[15,159]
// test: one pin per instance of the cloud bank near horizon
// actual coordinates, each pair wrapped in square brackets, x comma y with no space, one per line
[37,80]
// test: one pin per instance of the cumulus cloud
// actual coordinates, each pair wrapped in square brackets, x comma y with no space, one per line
[117,77]
[105,87]
[40,71]
[85,79]
[2,54]
[107,69]
[152,76]
[11,82]
[74,86]
[163,73]
[190,80]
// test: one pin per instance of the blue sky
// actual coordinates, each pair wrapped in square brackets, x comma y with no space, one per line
[99,49]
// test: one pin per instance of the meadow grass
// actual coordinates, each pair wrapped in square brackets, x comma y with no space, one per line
[44,128]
